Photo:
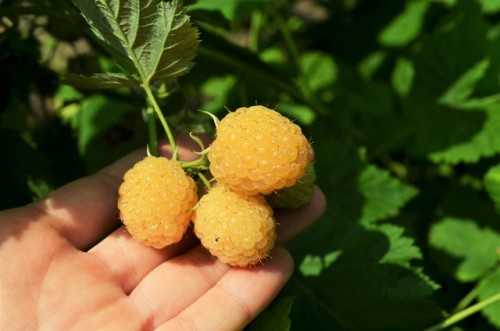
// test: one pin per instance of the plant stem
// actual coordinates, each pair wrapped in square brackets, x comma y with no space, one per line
[253,42]
[153,139]
[455,318]
[467,299]
[205,181]
[158,112]
[290,43]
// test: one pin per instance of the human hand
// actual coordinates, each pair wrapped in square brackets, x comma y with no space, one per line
[66,263]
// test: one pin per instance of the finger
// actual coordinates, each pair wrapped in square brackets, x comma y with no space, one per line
[130,261]
[238,296]
[291,222]
[177,283]
[85,211]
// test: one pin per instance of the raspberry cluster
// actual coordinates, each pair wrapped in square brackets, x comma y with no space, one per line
[259,160]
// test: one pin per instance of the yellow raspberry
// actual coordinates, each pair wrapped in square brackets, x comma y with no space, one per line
[238,229]
[257,150]
[156,200]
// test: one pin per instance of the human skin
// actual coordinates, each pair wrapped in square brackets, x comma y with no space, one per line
[68,264]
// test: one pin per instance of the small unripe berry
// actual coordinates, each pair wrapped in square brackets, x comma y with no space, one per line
[296,195]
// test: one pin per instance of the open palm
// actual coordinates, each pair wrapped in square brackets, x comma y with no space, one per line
[66,263]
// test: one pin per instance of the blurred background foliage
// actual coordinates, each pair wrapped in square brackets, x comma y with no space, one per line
[399,98]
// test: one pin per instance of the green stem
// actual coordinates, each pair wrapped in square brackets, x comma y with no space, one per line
[153,139]
[200,163]
[457,317]
[205,181]
[253,42]
[158,112]
[466,301]
[290,43]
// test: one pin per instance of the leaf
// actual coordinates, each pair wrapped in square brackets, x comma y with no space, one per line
[462,238]
[464,86]
[490,6]
[405,27]
[370,285]
[444,133]
[318,70]
[99,81]
[153,38]
[97,114]
[274,319]
[384,195]
[355,271]
[484,142]
[402,249]
[231,10]
[402,76]
[488,287]
[492,185]
[303,114]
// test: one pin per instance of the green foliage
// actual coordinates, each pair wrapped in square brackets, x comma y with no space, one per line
[154,40]
[459,238]
[401,102]
[274,319]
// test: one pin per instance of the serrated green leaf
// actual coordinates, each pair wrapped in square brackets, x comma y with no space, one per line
[405,27]
[384,195]
[99,81]
[370,285]
[443,133]
[402,249]
[152,37]
[488,287]
[492,185]
[484,142]
[274,319]
[462,238]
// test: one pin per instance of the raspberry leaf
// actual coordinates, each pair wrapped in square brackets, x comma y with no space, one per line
[100,81]
[475,247]
[492,185]
[488,287]
[152,39]
[275,318]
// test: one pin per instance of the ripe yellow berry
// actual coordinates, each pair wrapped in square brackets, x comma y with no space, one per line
[236,228]
[156,200]
[257,150]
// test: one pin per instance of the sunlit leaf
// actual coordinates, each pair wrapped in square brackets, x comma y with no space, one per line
[383,194]
[464,86]
[154,38]
[462,238]
[406,26]
[492,184]
[402,76]
[488,287]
